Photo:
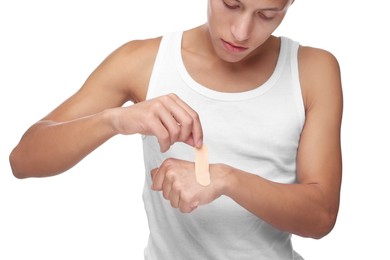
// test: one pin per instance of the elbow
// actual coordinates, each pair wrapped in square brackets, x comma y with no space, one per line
[20,176]
[23,167]
[325,224]
[20,167]
[15,166]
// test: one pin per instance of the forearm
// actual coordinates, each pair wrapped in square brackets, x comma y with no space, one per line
[49,148]
[301,209]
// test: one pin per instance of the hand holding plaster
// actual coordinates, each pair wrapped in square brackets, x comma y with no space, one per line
[168,118]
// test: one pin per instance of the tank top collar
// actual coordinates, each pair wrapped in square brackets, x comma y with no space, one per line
[225,96]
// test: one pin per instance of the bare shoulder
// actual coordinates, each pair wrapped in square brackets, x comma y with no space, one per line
[320,77]
[135,60]
[315,60]
[145,49]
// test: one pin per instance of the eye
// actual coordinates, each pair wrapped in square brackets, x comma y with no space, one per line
[264,16]
[231,4]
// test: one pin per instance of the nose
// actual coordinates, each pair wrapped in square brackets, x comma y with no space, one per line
[242,27]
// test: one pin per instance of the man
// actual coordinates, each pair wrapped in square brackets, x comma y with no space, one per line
[268,109]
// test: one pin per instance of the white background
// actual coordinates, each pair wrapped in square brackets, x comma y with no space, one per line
[95,210]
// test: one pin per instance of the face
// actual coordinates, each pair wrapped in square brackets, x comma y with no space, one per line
[238,27]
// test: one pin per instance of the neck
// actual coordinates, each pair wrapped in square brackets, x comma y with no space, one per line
[198,42]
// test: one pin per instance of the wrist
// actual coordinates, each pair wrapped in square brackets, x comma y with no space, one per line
[108,119]
[222,176]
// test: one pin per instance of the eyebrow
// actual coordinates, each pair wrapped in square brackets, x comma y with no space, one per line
[272,9]
[276,9]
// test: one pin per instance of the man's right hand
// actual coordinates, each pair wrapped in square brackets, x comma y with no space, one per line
[167,117]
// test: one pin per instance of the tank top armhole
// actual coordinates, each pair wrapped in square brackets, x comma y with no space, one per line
[157,66]
[164,43]
[296,82]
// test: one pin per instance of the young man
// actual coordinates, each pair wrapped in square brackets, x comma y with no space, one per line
[268,109]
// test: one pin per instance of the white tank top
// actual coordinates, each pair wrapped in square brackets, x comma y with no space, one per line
[256,131]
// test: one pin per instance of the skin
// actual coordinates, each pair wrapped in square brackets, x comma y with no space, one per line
[235,42]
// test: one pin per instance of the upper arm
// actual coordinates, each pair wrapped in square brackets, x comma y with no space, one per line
[123,76]
[319,159]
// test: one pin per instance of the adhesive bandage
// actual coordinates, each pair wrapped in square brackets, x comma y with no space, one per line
[202,166]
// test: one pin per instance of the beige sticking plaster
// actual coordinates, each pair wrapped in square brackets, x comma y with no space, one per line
[202,166]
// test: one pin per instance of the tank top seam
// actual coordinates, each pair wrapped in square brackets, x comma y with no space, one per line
[157,67]
[224,96]
[297,89]
[156,70]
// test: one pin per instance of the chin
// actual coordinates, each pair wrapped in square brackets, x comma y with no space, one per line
[231,58]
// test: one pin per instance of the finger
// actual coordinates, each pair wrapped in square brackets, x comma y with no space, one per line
[164,126]
[187,203]
[185,208]
[166,188]
[188,207]
[162,135]
[196,139]
[183,119]
[157,179]
[194,206]
[153,173]
[171,124]
[174,197]
[176,118]
[185,124]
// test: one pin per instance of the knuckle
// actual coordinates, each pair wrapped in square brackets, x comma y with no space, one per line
[176,186]
[195,115]
[165,195]
[176,132]
[173,205]
[187,121]
[185,198]
[157,105]
[172,95]
[170,175]
[169,162]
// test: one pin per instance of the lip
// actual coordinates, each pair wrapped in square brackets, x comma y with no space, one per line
[232,47]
